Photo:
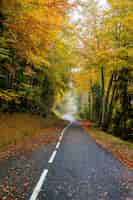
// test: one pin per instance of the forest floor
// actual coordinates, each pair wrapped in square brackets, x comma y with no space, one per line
[122,150]
[25,132]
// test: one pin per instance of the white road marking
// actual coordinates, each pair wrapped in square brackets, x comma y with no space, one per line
[60,138]
[52,157]
[62,133]
[58,144]
[39,185]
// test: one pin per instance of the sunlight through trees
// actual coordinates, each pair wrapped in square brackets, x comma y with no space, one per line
[43,43]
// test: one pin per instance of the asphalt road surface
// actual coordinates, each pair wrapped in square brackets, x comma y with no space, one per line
[81,170]
[76,168]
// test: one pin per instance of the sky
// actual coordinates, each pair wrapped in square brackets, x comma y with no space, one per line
[75,15]
[102,3]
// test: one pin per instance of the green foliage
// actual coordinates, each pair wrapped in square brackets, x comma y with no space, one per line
[34,63]
[107,49]
[84,112]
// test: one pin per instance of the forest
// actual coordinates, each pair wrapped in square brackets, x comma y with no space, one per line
[106,56]
[42,41]
[34,56]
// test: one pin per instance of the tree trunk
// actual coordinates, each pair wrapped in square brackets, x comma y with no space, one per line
[124,102]
[113,100]
[107,100]
[91,106]
[103,97]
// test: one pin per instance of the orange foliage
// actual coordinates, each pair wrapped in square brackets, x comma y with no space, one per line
[35,25]
[85,79]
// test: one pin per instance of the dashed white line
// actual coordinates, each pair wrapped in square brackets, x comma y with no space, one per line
[52,157]
[62,133]
[60,138]
[39,185]
[58,144]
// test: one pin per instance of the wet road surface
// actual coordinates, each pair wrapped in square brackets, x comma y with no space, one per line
[80,170]
[83,171]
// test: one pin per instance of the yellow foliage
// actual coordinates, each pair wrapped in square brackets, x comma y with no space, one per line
[8,96]
[85,79]
[35,25]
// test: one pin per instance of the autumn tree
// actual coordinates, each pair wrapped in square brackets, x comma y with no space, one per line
[107,49]
[30,32]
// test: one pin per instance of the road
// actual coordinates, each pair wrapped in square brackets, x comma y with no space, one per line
[76,168]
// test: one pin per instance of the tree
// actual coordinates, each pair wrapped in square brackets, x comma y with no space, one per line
[107,47]
[29,37]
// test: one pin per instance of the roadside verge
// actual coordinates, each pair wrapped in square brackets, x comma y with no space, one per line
[122,150]
[21,133]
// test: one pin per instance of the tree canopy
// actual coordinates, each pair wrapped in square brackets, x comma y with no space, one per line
[42,41]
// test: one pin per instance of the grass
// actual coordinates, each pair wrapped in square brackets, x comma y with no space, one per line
[123,150]
[19,127]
